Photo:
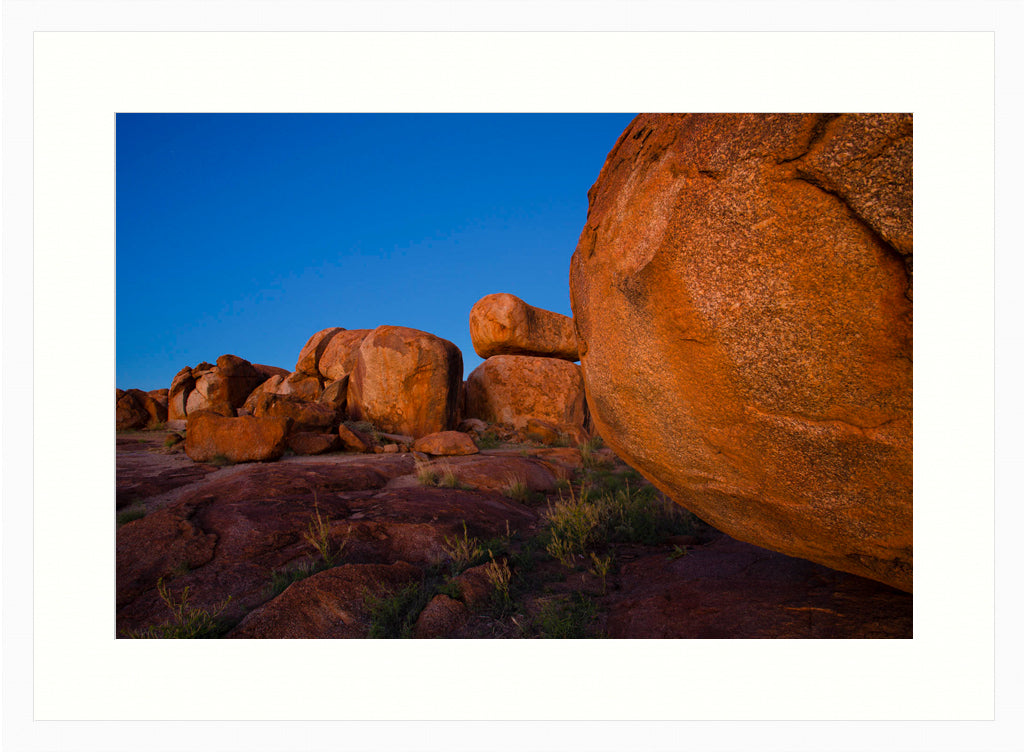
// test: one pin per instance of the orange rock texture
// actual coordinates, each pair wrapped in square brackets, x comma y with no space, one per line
[512,389]
[340,354]
[502,324]
[406,381]
[742,299]
[245,439]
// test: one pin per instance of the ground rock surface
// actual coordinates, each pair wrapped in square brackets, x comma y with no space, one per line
[742,299]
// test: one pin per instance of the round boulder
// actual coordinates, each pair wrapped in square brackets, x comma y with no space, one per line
[742,297]
[502,324]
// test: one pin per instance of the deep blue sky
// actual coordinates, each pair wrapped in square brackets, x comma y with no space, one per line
[245,234]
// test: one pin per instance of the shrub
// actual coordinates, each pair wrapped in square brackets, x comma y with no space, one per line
[563,619]
[318,535]
[426,475]
[516,488]
[129,515]
[188,622]
[393,615]
[489,439]
[463,551]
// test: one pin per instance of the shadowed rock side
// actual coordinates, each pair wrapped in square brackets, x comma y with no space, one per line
[742,299]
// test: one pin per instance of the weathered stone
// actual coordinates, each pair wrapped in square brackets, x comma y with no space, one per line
[334,395]
[445,443]
[502,324]
[340,354]
[309,356]
[441,617]
[512,389]
[130,411]
[270,386]
[354,440]
[742,298]
[309,442]
[267,372]
[245,439]
[302,385]
[472,425]
[177,397]
[406,381]
[305,416]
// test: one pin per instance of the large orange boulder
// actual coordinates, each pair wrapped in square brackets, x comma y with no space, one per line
[222,388]
[305,416]
[502,324]
[341,353]
[406,381]
[742,299]
[309,356]
[513,389]
[245,439]
[177,397]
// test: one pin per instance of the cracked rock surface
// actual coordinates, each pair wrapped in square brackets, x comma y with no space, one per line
[742,295]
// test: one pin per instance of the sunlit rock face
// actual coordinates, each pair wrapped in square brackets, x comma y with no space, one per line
[742,295]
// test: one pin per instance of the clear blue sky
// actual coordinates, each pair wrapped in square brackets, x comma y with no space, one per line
[245,234]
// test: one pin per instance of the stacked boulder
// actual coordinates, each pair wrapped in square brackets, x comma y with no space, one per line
[529,380]
[139,409]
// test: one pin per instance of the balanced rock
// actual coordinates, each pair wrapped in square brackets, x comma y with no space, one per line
[445,443]
[502,324]
[742,296]
[246,439]
[341,353]
[512,389]
[406,381]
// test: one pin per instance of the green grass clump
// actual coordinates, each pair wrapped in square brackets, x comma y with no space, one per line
[489,439]
[426,475]
[129,515]
[220,460]
[463,551]
[188,623]
[578,524]
[517,489]
[565,619]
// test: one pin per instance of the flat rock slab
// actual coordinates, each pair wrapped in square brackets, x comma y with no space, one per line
[146,468]
[730,589]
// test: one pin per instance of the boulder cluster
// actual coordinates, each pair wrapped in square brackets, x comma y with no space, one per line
[389,389]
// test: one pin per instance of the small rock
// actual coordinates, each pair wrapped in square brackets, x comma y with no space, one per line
[446,443]
[441,617]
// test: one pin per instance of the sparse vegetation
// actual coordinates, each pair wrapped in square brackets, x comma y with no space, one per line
[367,428]
[463,551]
[565,618]
[188,622]
[318,535]
[489,439]
[173,439]
[516,489]
[601,566]
[426,474]
[281,579]
[499,575]
[130,514]
[220,460]
[393,615]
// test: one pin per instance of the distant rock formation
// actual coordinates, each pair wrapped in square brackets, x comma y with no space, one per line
[502,324]
[742,299]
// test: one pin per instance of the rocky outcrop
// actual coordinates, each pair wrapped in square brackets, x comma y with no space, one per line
[340,354]
[245,439]
[406,381]
[502,324]
[305,416]
[513,389]
[742,298]
[177,397]
[130,411]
